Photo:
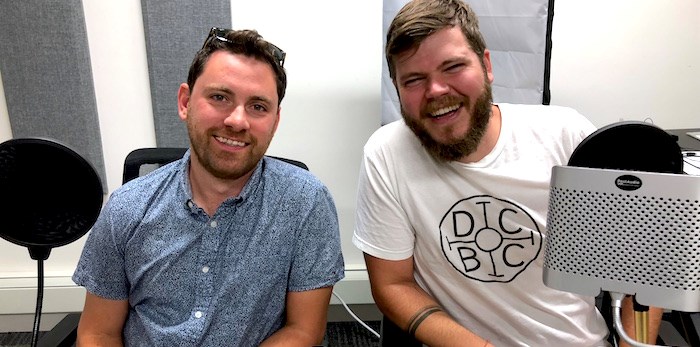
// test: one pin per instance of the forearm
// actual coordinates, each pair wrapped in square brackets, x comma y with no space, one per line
[97,340]
[290,336]
[412,309]
[305,319]
[102,322]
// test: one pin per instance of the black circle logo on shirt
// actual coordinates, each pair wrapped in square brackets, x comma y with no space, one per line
[489,239]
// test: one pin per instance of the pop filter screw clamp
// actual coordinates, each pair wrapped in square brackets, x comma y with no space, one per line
[51,196]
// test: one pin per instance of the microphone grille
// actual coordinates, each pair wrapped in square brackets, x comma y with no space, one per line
[646,240]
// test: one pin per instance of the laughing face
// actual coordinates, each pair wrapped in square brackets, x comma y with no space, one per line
[445,93]
[231,114]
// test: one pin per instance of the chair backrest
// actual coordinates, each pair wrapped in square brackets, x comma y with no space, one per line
[144,160]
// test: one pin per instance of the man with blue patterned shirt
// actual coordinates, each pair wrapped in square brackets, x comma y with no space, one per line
[225,246]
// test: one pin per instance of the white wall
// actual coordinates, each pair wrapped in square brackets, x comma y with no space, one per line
[630,59]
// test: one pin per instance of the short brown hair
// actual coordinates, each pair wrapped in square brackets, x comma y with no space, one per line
[419,19]
[245,42]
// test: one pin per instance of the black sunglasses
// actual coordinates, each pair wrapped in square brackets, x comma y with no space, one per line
[220,34]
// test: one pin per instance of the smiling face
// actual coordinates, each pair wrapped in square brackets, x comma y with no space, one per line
[232,114]
[445,94]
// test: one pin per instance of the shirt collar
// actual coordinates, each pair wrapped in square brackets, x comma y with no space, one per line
[248,190]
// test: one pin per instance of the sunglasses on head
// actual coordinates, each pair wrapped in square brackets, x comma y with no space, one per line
[220,34]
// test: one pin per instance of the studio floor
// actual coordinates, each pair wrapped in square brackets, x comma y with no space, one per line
[338,334]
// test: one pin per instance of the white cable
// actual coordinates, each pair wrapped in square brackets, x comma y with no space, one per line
[617,320]
[355,316]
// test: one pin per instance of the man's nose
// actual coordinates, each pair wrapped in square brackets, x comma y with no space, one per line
[237,119]
[436,87]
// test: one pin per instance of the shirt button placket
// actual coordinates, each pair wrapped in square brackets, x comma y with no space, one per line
[209,246]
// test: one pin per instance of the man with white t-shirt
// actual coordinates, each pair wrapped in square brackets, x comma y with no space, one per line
[452,199]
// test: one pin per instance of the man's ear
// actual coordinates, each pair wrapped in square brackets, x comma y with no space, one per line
[183,100]
[277,122]
[396,87]
[487,65]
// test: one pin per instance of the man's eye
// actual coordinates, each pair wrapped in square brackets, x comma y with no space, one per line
[412,81]
[454,67]
[259,108]
[218,97]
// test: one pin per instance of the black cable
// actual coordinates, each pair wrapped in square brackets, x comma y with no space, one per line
[39,300]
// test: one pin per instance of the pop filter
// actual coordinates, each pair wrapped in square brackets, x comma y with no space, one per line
[51,196]
[631,145]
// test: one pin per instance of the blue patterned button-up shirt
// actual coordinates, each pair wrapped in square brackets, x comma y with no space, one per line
[222,280]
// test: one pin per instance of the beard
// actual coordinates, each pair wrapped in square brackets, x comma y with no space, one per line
[465,145]
[221,165]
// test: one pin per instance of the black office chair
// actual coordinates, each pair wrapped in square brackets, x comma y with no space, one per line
[144,160]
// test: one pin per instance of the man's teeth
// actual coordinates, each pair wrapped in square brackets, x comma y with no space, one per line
[444,111]
[230,142]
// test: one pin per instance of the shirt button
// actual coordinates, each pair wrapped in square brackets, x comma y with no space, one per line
[205,269]
[198,314]
[213,224]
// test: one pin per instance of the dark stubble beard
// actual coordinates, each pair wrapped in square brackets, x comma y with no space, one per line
[209,161]
[468,144]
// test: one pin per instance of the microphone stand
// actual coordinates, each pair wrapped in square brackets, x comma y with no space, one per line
[641,321]
[40,254]
[617,321]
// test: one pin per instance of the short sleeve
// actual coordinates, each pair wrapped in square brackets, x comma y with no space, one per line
[318,259]
[382,227]
[101,266]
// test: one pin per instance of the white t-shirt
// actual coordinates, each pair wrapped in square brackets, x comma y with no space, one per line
[476,231]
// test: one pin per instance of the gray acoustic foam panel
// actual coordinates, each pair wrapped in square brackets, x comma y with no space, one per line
[518,34]
[175,30]
[46,74]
